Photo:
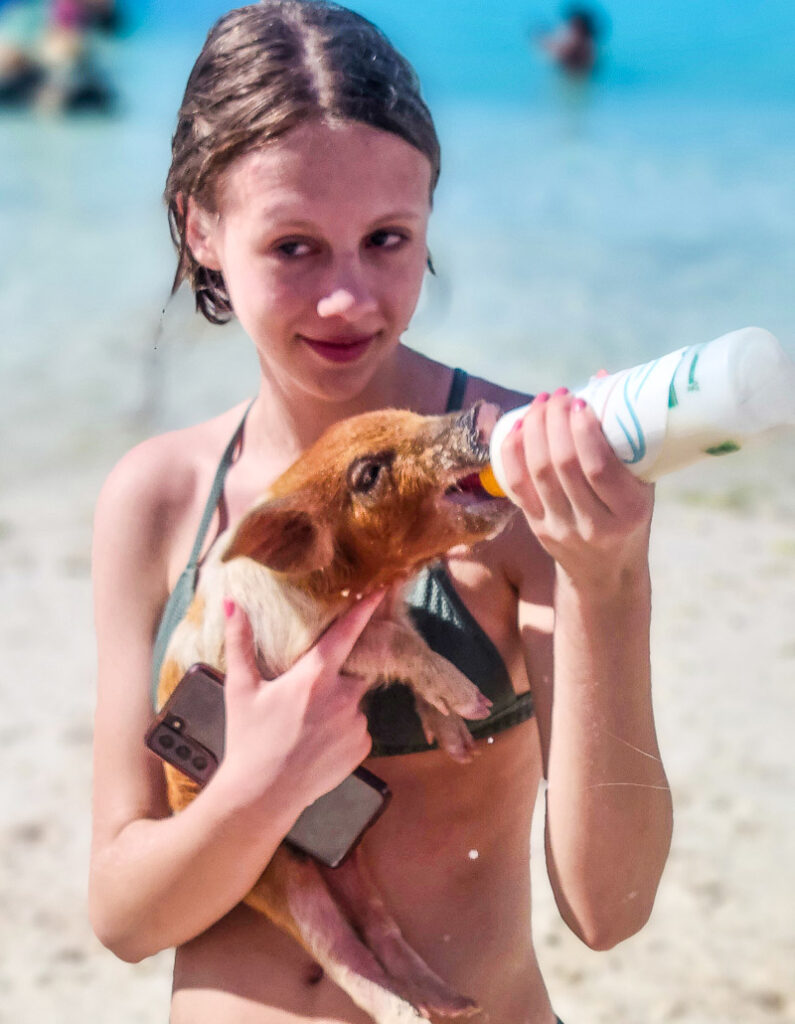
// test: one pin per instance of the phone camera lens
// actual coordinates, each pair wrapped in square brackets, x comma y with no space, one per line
[166,740]
[182,751]
[199,763]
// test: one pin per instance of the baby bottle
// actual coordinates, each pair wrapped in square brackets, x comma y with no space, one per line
[700,401]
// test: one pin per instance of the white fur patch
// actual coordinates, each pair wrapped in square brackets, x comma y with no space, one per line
[285,620]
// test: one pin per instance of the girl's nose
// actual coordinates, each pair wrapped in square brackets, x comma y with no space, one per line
[339,303]
[348,296]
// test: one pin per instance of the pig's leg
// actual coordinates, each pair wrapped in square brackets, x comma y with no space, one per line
[293,894]
[354,888]
[449,731]
[389,650]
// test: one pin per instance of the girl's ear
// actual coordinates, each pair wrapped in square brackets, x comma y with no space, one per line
[200,235]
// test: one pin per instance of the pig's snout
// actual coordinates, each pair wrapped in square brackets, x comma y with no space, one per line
[486,416]
[478,423]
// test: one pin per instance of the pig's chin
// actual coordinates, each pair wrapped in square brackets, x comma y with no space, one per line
[488,518]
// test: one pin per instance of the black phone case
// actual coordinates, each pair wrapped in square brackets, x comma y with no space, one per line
[189,734]
[330,828]
[189,730]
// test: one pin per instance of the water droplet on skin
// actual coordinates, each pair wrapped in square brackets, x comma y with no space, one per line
[473,854]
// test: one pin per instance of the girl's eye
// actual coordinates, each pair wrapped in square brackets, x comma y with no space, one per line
[293,248]
[386,238]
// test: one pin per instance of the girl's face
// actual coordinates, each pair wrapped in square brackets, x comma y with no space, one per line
[321,238]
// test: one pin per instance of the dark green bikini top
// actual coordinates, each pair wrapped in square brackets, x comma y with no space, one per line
[437,611]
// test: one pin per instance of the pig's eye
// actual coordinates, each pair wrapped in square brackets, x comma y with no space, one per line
[364,474]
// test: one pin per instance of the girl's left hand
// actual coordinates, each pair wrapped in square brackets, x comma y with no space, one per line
[585,507]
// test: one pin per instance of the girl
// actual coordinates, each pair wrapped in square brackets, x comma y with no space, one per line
[304,163]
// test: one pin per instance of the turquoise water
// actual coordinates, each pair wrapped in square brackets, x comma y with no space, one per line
[482,48]
[571,230]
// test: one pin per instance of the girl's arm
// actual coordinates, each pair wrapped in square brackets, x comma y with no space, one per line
[609,816]
[157,880]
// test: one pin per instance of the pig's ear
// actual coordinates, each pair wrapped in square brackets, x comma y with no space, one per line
[282,537]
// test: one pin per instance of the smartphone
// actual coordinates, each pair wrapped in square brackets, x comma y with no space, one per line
[189,733]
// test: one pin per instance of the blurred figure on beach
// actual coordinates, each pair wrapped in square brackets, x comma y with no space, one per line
[573,45]
[48,53]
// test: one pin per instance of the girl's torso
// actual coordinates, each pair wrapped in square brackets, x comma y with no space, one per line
[451,859]
[451,855]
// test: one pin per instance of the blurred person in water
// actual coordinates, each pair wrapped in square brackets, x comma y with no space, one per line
[574,45]
[21,25]
[47,53]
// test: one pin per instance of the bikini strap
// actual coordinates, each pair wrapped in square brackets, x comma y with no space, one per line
[217,489]
[180,598]
[458,386]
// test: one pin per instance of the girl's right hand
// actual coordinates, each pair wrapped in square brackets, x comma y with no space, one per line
[584,506]
[303,731]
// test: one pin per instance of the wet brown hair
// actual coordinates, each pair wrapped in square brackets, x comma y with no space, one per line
[264,69]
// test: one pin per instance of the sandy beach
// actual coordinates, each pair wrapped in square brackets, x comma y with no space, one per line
[719,947]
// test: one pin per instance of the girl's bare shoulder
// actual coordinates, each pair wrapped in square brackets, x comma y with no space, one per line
[437,377]
[505,398]
[151,488]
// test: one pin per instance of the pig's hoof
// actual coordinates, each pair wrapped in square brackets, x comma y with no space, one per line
[449,731]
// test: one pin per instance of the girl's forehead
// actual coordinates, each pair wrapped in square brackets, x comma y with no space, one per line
[317,164]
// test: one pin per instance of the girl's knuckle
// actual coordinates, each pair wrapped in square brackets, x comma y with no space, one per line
[568,463]
[589,530]
[542,471]
[598,469]
[559,534]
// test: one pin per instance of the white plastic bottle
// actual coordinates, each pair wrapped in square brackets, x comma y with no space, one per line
[700,401]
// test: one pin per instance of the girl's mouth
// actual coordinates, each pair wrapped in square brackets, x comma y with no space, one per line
[340,350]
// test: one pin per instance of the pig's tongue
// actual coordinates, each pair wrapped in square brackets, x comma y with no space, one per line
[470,483]
[467,488]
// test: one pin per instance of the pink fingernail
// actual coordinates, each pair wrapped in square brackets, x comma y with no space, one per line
[542,396]
[560,392]
[578,404]
[517,425]
[229,608]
